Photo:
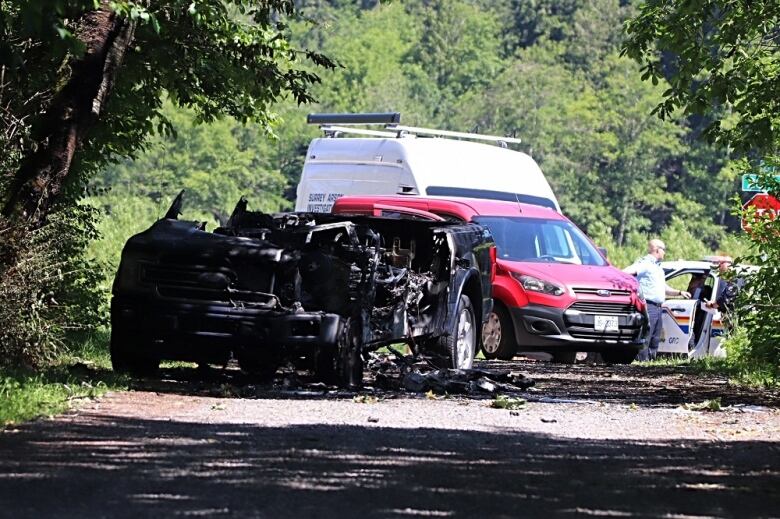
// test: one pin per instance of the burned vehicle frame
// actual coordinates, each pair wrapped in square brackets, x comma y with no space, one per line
[299,286]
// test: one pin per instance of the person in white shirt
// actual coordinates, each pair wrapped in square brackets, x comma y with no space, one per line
[652,284]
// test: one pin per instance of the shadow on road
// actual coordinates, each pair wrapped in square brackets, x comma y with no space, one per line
[644,385]
[118,467]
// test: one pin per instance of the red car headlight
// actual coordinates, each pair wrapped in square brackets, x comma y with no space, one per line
[538,285]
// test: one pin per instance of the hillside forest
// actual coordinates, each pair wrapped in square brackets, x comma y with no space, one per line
[549,72]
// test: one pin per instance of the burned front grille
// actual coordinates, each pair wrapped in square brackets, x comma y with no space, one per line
[205,284]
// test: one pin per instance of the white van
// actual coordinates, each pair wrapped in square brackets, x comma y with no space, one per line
[415,161]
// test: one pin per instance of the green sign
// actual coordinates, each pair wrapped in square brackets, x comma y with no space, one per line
[749,183]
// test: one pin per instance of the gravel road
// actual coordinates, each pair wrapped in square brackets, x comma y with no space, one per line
[592,440]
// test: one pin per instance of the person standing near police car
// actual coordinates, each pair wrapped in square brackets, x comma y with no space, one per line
[728,289]
[652,284]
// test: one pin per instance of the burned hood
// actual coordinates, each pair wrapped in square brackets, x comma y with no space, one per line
[189,240]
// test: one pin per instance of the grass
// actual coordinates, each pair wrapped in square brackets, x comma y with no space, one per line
[83,372]
[739,373]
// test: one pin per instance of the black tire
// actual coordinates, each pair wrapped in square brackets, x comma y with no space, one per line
[462,337]
[349,355]
[125,357]
[564,357]
[498,335]
[619,356]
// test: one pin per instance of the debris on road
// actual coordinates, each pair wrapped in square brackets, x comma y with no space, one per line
[397,371]
[365,399]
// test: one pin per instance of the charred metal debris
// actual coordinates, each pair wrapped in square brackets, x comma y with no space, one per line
[398,371]
[265,289]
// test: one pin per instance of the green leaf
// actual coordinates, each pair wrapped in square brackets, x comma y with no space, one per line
[506,402]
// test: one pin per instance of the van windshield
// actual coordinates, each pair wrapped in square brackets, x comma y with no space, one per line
[540,240]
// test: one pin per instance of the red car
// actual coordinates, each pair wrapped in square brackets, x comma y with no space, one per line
[554,290]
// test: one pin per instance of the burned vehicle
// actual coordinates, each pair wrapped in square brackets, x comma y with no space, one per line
[317,288]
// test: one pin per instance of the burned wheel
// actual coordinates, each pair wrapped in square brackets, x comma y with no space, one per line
[498,335]
[460,344]
[126,357]
[349,358]
[619,356]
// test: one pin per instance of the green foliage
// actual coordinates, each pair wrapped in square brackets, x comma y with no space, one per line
[218,57]
[84,373]
[713,406]
[722,62]
[747,362]
[215,164]
[507,402]
[50,289]
[758,304]
[581,109]
[458,50]
[375,74]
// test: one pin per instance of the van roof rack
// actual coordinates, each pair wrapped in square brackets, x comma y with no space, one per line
[336,131]
[334,124]
[358,118]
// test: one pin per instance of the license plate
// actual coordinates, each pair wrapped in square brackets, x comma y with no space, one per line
[606,323]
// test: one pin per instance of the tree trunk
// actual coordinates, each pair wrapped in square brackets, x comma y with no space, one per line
[622,226]
[72,112]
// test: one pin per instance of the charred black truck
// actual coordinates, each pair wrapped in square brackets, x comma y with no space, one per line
[316,287]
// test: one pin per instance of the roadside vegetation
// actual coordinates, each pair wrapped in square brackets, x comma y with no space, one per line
[230,120]
[83,372]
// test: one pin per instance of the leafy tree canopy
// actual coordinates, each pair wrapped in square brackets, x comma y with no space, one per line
[217,57]
[722,59]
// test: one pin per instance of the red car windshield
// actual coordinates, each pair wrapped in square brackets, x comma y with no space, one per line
[540,240]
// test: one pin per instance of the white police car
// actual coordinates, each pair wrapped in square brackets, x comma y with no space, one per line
[689,326]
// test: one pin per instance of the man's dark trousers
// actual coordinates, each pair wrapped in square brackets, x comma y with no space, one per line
[650,350]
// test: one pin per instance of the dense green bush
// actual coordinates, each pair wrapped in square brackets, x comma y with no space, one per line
[51,290]
[758,305]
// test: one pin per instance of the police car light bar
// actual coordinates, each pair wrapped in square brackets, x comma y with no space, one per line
[364,118]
